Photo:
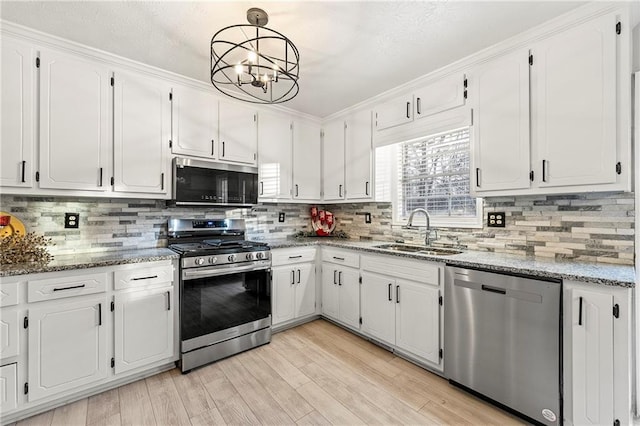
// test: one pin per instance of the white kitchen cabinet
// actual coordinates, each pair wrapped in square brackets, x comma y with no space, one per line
[238,133]
[574,88]
[9,333]
[440,95]
[17,79]
[394,112]
[379,307]
[8,387]
[333,160]
[143,327]
[274,156]
[142,129]
[293,287]
[330,291]
[500,159]
[307,153]
[341,294]
[67,345]
[75,122]
[358,156]
[195,122]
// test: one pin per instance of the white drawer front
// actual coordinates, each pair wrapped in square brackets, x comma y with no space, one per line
[9,294]
[8,387]
[143,276]
[415,270]
[9,333]
[292,255]
[341,257]
[66,286]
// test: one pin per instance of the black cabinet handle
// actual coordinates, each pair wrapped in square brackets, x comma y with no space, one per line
[297,190]
[340,278]
[390,292]
[334,276]
[261,188]
[299,276]
[296,257]
[69,288]
[162,181]
[418,106]
[24,165]
[338,258]
[213,147]
[339,191]
[366,188]
[99,314]
[168,300]
[580,311]
[150,277]
[397,294]
[100,184]
[494,289]
[223,148]
[478,177]
[544,170]
[293,276]
[408,106]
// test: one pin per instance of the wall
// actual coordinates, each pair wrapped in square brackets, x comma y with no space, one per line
[590,227]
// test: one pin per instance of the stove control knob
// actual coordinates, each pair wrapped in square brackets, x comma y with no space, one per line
[232,257]
[200,261]
[213,260]
[249,256]
[259,255]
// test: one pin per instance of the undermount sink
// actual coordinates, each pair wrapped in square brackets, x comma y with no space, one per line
[434,251]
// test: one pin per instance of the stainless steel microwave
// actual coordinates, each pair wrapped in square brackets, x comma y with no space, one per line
[202,182]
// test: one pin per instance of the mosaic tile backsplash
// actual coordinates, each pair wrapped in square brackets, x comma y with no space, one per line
[597,227]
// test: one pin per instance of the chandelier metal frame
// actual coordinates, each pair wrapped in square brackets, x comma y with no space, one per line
[256,75]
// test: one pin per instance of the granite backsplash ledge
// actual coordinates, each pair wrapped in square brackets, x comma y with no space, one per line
[594,227]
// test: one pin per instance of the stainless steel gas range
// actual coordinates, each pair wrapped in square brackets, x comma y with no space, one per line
[225,289]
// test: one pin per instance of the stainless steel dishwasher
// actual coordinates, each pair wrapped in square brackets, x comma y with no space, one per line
[502,340]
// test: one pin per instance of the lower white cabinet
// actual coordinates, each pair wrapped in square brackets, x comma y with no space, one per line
[341,294]
[8,387]
[67,345]
[293,292]
[143,327]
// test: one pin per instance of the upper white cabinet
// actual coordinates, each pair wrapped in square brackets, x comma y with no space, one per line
[333,160]
[573,85]
[238,133]
[17,79]
[359,156]
[440,95]
[75,116]
[394,112]
[195,122]
[306,160]
[274,156]
[142,129]
[501,123]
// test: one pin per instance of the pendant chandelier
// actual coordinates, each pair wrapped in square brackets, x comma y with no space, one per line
[262,69]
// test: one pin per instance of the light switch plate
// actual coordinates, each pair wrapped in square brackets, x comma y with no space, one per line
[495,219]
[367,218]
[281,217]
[71,220]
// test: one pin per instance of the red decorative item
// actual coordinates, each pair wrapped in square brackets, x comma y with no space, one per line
[323,223]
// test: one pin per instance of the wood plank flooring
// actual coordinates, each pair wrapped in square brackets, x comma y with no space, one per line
[314,374]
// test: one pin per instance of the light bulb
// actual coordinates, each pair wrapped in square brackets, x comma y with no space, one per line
[265,78]
[252,56]
[239,69]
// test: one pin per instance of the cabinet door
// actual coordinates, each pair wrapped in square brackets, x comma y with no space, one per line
[330,304]
[501,124]
[305,303]
[349,297]
[306,161]
[441,95]
[8,387]
[142,129]
[238,133]
[592,357]
[394,112]
[378,307]
[283,294]
[67,346]
[574,89]
[75,123]
[359,155]
[333,160]
[274,156]
[143,327]
[9,333]
[418,320]
[195,122]
[17,70]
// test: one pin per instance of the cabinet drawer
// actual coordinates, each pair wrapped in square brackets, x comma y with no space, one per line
[66,286]
[143,276]
[8,387]
[9,333]
[293,255]
[416,270]
[341,257]
[9,294]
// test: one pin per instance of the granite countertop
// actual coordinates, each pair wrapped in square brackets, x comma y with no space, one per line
[598,273]
[89,260]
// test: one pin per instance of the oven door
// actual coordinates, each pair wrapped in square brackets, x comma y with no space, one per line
[220,303]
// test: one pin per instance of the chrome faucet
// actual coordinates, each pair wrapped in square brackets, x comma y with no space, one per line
[410,225]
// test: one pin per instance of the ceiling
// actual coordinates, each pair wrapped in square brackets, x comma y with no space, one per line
[349,50]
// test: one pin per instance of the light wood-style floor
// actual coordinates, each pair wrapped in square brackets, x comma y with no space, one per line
[316,373]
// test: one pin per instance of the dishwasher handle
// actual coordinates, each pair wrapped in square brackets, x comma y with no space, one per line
[493,289]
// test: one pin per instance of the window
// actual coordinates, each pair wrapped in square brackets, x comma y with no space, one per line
[431,173]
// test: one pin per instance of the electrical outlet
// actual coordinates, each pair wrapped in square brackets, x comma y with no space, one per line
[71,220]
[281,217]
[495,220]
[367,218]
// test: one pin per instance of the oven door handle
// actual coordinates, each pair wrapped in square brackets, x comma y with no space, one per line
[221,270]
